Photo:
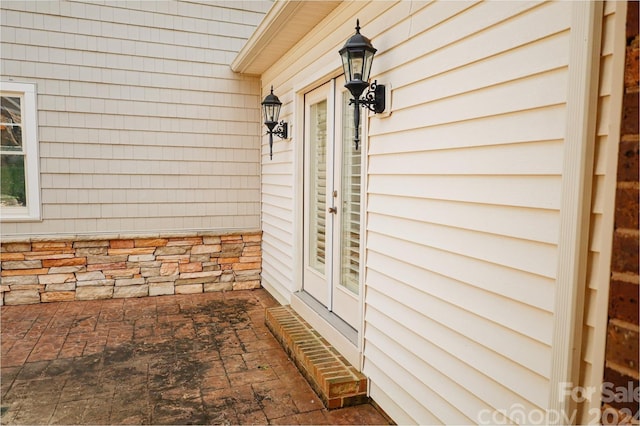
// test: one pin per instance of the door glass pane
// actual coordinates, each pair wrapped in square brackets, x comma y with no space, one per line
[12,184]
[318,181]
[350,223]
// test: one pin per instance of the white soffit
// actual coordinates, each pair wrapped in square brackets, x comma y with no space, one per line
[282,27]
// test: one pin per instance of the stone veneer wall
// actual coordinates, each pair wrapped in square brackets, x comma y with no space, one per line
[87,268]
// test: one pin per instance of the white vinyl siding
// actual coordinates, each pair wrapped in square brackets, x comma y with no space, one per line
[277,221]
[464,183]
[463,201]
[143,127]
[464,198]
[602,208]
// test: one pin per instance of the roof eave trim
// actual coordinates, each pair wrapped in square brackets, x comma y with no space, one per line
[272,23]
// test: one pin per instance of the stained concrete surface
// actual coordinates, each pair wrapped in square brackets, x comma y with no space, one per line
[184,359]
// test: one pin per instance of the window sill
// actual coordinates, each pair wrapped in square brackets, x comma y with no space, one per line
[12,214]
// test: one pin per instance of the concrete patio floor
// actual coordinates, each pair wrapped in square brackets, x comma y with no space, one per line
[187,359]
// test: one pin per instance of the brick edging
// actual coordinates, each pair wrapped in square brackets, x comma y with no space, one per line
[49,269]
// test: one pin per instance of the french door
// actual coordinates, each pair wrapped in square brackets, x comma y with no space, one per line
[332,207]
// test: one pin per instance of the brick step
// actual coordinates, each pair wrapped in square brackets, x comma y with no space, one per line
[337,383]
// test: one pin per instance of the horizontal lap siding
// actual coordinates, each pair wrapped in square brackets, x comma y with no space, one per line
[463,209]
[142,125]
[277,219]
[601,229]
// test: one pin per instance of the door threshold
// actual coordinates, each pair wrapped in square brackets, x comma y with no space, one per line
[336,322]
[334,329]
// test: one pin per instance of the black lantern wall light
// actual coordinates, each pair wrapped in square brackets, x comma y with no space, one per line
[271,108]
[357,57]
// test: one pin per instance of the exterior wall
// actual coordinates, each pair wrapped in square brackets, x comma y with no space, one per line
[38,270]
[463,199]
[465,182]
[602,212]
[622,359]
[143,127]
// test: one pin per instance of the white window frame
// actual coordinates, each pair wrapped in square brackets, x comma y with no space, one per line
[32,212]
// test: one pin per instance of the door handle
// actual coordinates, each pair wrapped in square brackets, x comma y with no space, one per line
[333,210]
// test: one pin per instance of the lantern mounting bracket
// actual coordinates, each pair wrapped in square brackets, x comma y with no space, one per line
[374,99]
[280,129]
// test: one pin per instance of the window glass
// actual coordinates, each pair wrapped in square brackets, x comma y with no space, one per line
[19,174]
[12,189]
[11,129]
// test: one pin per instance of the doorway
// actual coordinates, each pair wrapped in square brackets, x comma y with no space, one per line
[332,204]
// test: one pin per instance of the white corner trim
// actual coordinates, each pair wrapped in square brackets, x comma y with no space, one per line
[577,175]
[608,215]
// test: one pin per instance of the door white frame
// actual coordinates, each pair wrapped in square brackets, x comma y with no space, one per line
[608,216]
[343,299]
[314,282]
[352,352]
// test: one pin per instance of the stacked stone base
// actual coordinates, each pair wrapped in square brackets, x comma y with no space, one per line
[83,268]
